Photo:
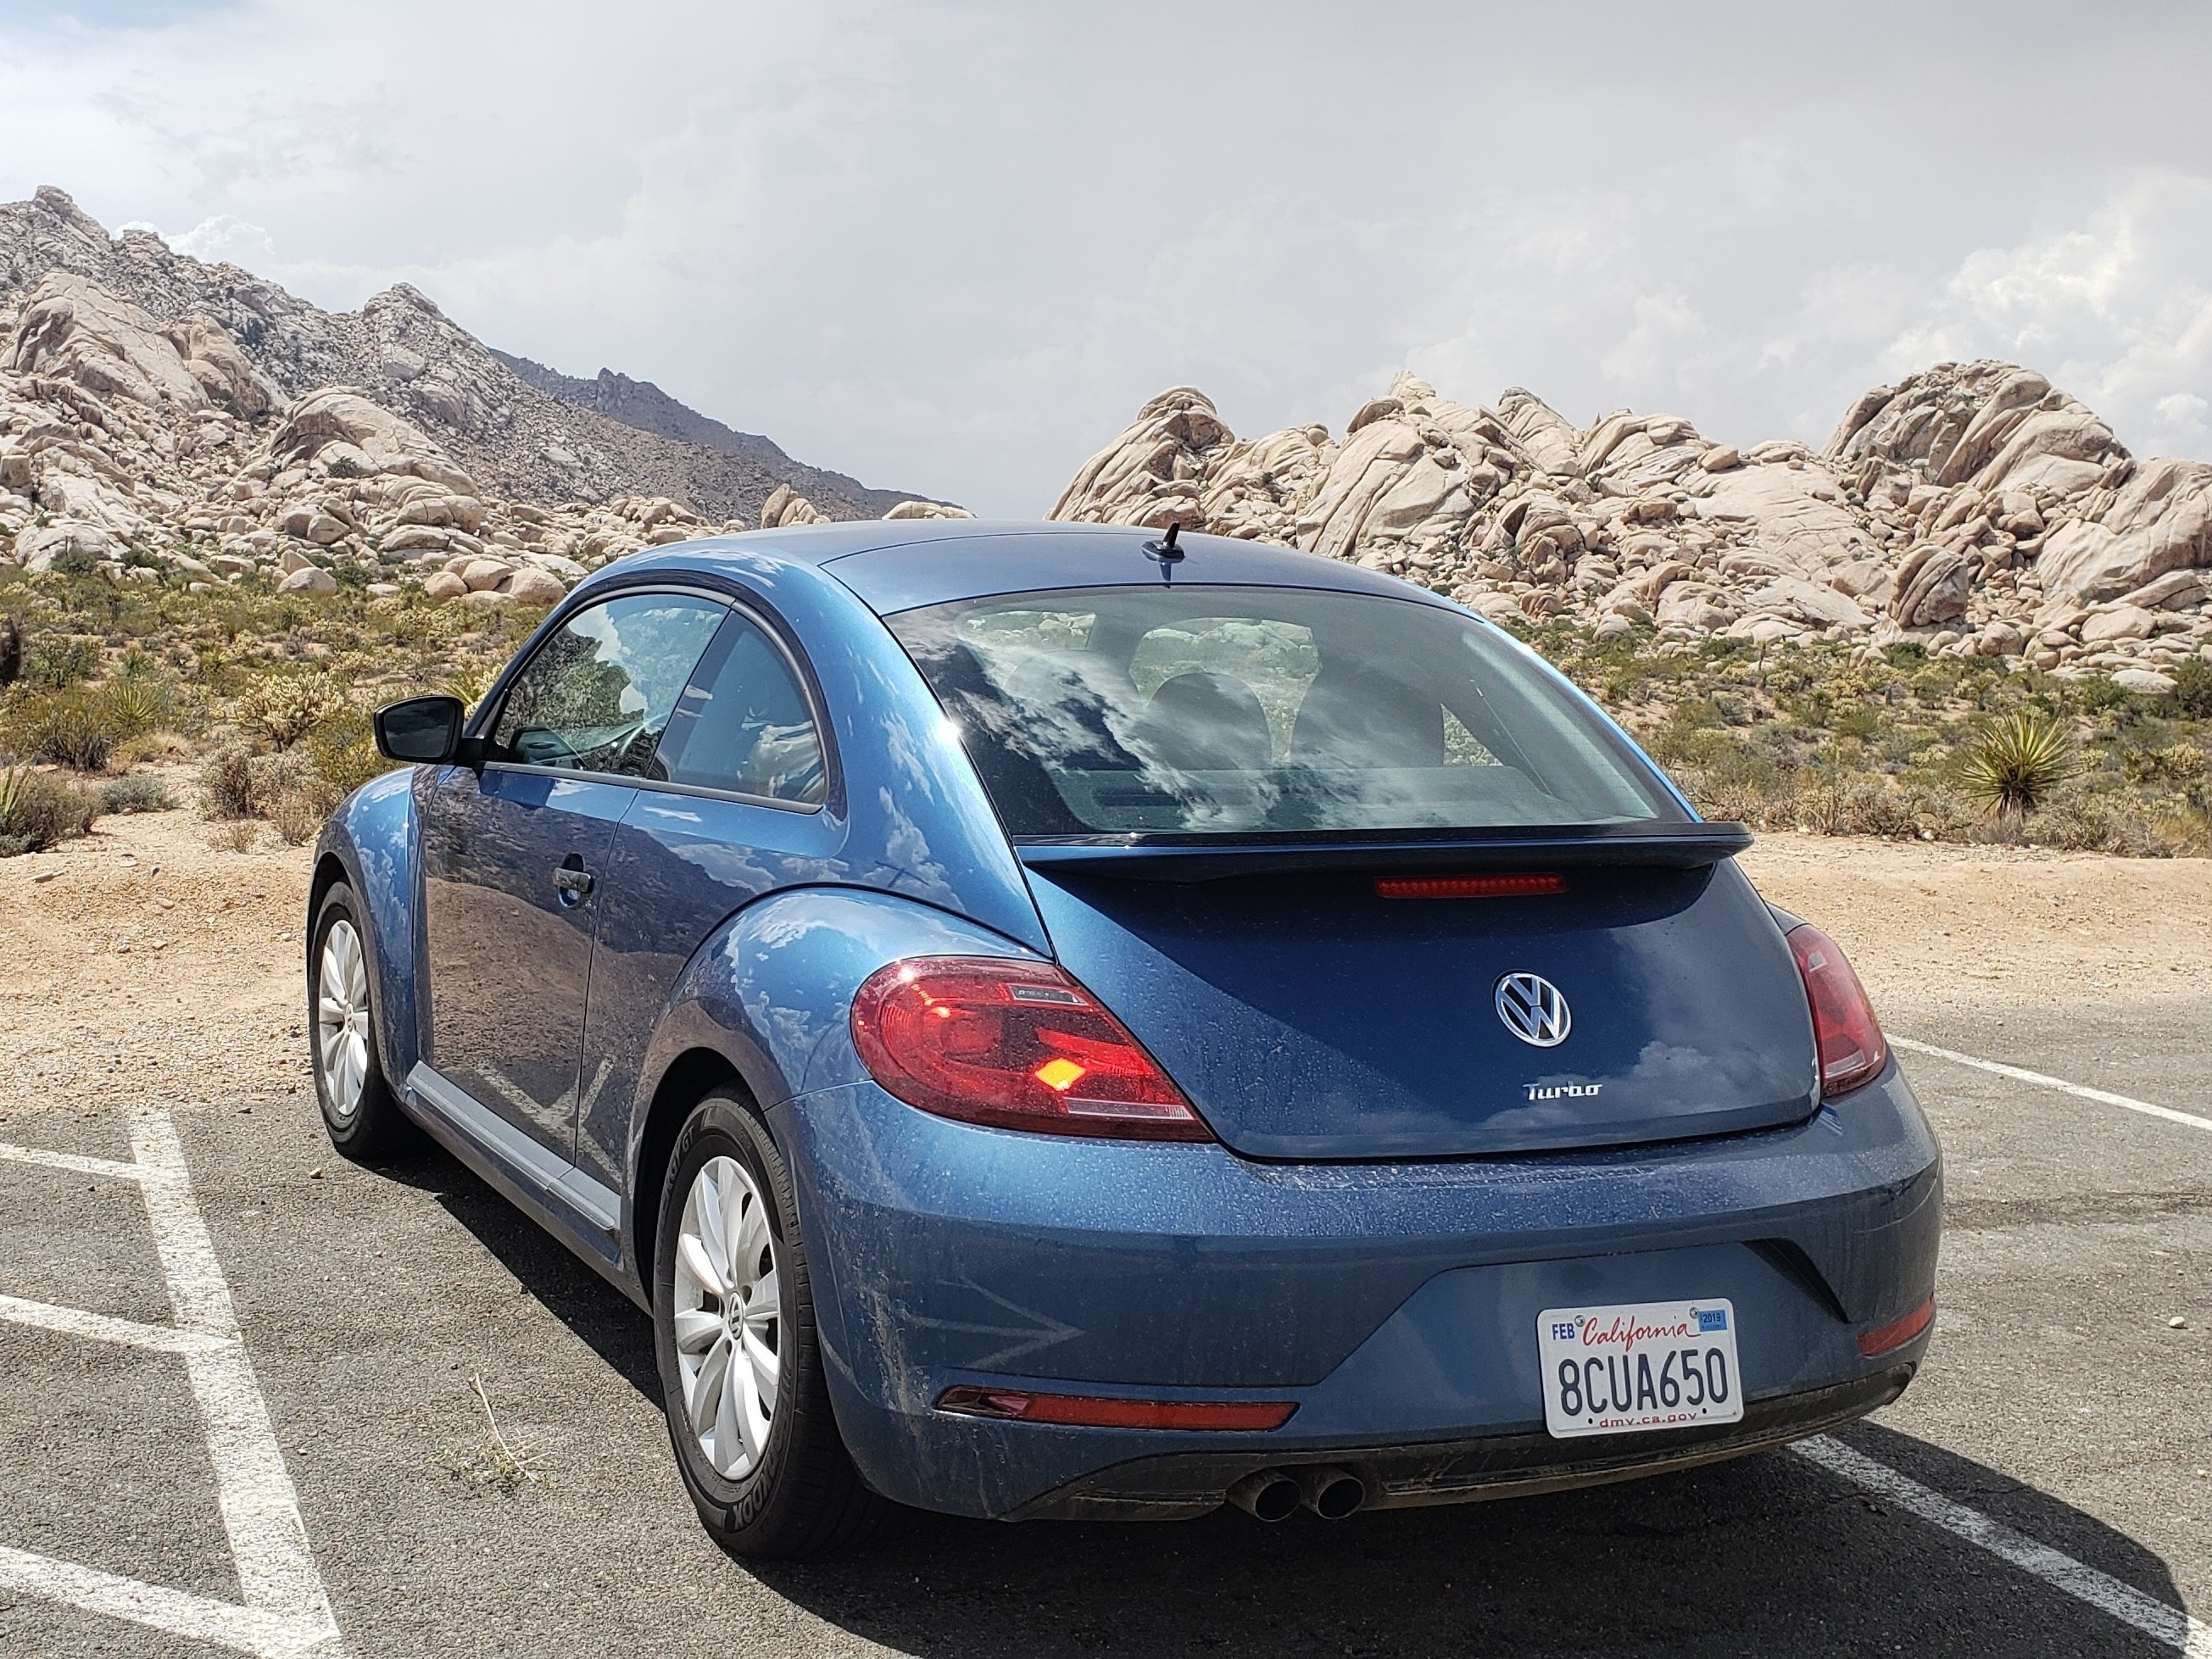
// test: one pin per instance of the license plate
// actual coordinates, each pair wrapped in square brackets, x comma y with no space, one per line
[1640,1366]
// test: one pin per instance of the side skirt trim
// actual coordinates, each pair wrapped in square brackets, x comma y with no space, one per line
[583,1212]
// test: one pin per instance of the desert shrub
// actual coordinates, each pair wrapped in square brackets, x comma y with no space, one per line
[298,816]
[75,727]
[285,707]
[236,837]
[227,783]
[141,792]
[285,786]
[344,751]
[136,705]
[2192,690]
[470,682]
[1935,684]
[2016,763]
[38,809]
[2178,765]
[54,661]
[1744,787]
[2085,819]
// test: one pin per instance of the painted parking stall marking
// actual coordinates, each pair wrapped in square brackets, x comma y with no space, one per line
[286,1613]
[2020,1074]
[2124,1601]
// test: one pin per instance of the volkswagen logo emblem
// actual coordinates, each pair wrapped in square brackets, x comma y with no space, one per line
[1534,1010]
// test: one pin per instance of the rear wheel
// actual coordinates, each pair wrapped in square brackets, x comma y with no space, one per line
[363,1119]
[740,1366]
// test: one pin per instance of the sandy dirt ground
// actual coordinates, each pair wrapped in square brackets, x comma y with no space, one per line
[146,959]
[1943,925]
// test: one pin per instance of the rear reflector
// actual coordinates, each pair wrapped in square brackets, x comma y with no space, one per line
[1082,1411]
[1891,1337]
[1439,887]
[1852,1048]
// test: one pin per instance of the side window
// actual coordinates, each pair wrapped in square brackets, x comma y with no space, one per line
[598,695]
[744,725]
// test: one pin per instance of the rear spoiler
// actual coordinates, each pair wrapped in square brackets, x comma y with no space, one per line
[1180,859]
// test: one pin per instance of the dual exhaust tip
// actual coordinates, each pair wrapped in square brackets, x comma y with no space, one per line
[1272,1495]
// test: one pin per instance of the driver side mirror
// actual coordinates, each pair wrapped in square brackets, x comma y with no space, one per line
[424,732]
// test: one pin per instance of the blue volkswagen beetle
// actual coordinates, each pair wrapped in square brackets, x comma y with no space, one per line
[1059,1022]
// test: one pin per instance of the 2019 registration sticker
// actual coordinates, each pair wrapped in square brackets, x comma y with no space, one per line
[1637,1366]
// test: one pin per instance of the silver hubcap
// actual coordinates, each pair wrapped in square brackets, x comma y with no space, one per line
[342,1018]
[729,1328]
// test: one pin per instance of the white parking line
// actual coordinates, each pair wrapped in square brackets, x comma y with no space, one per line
[2124,1602]
[285,1615]
[2020,1074]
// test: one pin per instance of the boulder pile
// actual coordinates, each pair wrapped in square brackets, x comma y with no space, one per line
[1972,507]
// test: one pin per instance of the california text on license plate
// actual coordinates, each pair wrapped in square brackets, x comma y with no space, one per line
[1638,1365]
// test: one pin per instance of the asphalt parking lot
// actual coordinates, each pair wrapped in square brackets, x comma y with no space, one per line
[2042,1490]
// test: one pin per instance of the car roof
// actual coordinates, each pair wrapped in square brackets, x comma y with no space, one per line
[899,564]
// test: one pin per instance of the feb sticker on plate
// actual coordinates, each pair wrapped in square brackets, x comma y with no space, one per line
[1640,1366]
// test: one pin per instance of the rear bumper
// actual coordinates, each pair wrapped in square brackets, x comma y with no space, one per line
[1394,1303]
[1183,1485]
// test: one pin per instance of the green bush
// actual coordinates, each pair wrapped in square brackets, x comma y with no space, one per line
[141,792]
[54,661]
[285,707]
[38,809]
[75,726]
[2192,690]
[344,751]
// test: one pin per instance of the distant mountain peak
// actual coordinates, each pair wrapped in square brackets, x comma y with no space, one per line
[642,405]
[514,424]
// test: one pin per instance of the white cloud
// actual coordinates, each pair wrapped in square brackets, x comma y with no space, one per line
[229,239]
[951,247]
[2116,310]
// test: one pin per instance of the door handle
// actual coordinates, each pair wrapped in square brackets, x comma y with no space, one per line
[573,882]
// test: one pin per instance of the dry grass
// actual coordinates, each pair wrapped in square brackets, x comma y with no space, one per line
[488,1463]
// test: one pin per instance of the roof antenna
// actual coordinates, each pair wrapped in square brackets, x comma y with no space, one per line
[1165,550]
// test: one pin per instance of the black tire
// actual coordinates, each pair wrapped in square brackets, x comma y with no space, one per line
[374,1128]
[801,1497]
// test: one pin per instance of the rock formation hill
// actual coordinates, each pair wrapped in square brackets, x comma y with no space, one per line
[155,411]
[1972,507]
[644,405]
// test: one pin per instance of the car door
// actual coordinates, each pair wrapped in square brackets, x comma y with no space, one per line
[748,804]
[513,854]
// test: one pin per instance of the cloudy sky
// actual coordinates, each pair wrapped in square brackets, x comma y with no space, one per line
[951,248]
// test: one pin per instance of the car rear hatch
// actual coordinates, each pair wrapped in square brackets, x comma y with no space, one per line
[1205,784]
[1308,1015]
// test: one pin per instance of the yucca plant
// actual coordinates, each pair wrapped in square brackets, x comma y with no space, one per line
[2016,763]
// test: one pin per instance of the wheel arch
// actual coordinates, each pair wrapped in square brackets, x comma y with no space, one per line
[369,845]
[687,1080]
[763,1006]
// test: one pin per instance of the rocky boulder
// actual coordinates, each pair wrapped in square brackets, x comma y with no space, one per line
[75,330]
[340,431]
[1973,507]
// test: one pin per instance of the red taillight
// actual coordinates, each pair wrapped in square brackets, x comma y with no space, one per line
[1887,1339]
[1016,1045]
[1089,1412]
[1850,1037]
[1428,887]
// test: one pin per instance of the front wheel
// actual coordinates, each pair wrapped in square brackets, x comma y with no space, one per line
[363,1119]
[740,1366]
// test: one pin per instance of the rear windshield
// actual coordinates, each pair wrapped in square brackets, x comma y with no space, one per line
[1240,711]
